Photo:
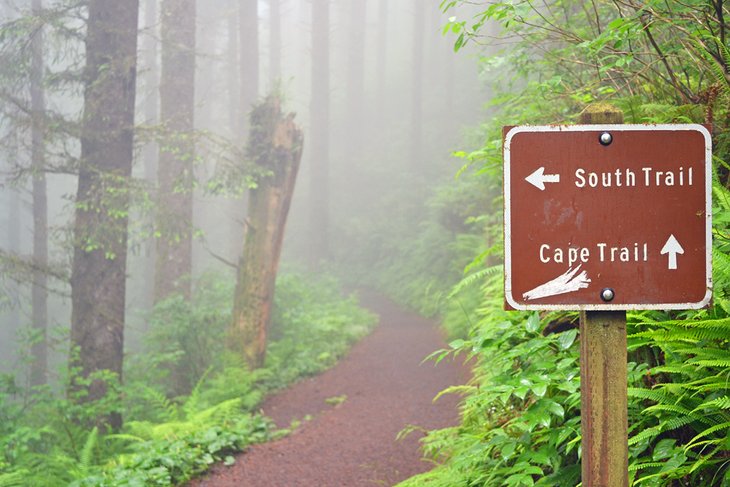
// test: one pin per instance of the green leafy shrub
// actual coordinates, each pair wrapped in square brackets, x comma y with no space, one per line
[660,63]
[170,453]
[313,329]
[187,401]
[520,413]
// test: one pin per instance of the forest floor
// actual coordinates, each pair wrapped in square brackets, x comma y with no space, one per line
[375,391]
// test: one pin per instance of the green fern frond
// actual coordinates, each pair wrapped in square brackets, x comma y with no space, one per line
[710,384]
[647,434]
[14,479]
[635,467]
[716,69]
[87,452]
[474,278]
[222,410]
[710,363]
[672,369]
[162,404]
[672,408]
[651,395]
[193,402]
[689,335]
[144,430]
[677,423]
[719,324]
[706,353]
[713,429]
[705,459]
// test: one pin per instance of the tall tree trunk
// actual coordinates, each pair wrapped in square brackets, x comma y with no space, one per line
[151,66]
[175,170]
[14,228]
[40,207]
[274,42]
[356,76]
[151,117]
[275,143]
[249,38]
[100,232]
[235,206]
[320,125]
[419,19]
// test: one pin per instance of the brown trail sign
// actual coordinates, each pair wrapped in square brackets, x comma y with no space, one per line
[607,217]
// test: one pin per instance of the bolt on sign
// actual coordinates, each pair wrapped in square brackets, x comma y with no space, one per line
[607,217]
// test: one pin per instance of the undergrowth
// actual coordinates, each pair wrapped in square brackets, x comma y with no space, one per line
[520,413]
[186,401]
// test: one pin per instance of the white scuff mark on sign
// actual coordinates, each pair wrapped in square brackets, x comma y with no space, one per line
[566,283]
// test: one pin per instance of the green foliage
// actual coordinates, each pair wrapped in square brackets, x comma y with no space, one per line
[313,330]
[184,338]
[680,415]
[170,453]
[186,402]
[520,412]
[659,62]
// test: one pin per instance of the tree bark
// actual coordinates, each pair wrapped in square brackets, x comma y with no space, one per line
[175,171]
[100,231]
[320,125]
[15,218]
[150,151]
[275,143]
[39,294]
[151,82]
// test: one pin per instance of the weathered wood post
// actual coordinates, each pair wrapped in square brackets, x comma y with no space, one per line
[603,217]
[603,372]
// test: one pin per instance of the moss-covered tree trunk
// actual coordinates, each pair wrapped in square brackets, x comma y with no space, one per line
[275,144]
[99,270]
[39,294]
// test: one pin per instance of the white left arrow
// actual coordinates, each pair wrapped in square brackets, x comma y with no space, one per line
[539,178]
[672,248]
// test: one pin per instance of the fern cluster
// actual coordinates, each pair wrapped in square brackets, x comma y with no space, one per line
[186,404]
[660,62]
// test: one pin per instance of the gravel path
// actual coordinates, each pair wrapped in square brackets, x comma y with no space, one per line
[354,443]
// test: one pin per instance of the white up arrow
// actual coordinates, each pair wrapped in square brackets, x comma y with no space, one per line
[672,248]
[539,178]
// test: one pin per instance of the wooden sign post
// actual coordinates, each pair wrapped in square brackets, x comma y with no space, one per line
[604,422]
[601,218]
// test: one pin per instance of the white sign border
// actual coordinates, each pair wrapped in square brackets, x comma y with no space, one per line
[606,128]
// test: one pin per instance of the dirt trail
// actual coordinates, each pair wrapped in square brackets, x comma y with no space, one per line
[354,443]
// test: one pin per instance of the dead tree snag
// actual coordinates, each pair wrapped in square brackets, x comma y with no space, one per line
[275,145]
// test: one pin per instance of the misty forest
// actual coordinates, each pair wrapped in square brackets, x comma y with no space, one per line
[261,242]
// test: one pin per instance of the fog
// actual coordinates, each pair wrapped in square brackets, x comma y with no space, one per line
[398,102]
